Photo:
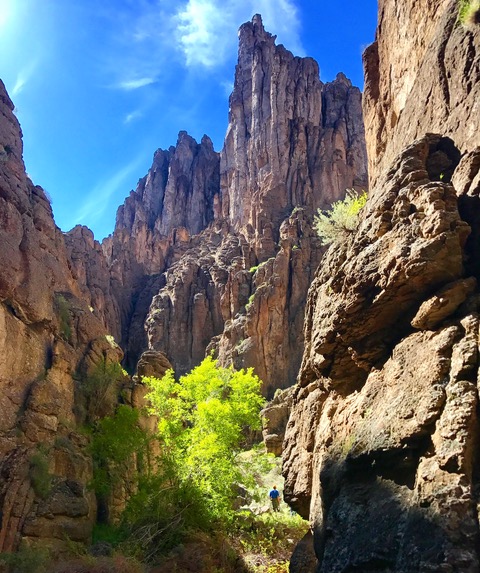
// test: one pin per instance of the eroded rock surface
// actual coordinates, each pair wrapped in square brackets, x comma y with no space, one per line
[48,333]
[293,144]
[380,445]
[421,74]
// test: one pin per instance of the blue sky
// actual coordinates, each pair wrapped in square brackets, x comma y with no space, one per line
[99,85]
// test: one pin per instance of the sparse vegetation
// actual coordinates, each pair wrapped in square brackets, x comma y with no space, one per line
[26,560]
[100,388]
[64,317]
[469,12]
[117,443]
[341,219]
[40,477]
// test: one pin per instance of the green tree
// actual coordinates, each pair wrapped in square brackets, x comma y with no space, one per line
[118,443]
[334,224]
[203,420]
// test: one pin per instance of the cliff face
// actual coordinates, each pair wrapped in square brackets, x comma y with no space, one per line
[293,144]
[381,445]
[421,75]
[211,252]
[175,200]
[48,335]
[291,141]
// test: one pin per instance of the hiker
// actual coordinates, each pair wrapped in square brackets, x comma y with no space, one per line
[274,495]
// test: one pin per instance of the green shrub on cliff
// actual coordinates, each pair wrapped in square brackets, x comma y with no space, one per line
[469,12]
[341,219]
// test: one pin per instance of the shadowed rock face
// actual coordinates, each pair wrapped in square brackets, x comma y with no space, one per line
[380,445]
[381,448]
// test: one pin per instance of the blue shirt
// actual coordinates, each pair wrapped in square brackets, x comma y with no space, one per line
[274,493]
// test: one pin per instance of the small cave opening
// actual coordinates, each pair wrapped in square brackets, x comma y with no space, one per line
[442,160]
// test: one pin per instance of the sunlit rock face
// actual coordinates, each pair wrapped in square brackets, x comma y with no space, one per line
[291,140]
[48,334]
[293,144]
[381,449]
[421,75]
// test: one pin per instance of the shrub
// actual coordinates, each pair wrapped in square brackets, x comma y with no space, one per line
[117,442]
[63,311]
[26,560]
[203,418]
[341,219]
[469,12]
[40,477]
[100,388]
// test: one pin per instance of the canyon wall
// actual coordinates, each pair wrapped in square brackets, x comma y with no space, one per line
[190,268]
[50,338]
[293,144]
[421,75]
[381,448]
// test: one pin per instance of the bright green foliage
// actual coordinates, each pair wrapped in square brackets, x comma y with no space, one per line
[203,418]
[117,443]
[341,219]
[469,12]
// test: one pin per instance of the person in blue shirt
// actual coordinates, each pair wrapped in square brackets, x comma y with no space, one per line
[274,495]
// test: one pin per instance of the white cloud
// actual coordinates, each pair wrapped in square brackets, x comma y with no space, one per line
[227,87]
[97,200]
[150,41]
[133,116]
[132,84]
[23,77]
[206,29]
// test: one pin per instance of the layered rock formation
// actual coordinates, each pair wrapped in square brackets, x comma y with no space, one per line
[382,442]
[421,75]
[49,336]
[293,144]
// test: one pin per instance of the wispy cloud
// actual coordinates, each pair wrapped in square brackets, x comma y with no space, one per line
[135,84]
[98,199]
[149,41]
[23,77]
[206,29]
[133,116]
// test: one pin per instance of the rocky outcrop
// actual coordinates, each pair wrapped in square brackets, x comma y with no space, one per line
[291,140]
[421,74]
[175,200]
[380,445]
[92,274]
[293,144]
[274,420]
[48,335]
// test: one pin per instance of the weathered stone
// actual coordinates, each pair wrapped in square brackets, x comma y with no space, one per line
[421,74]
[384,418]
[274,420]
